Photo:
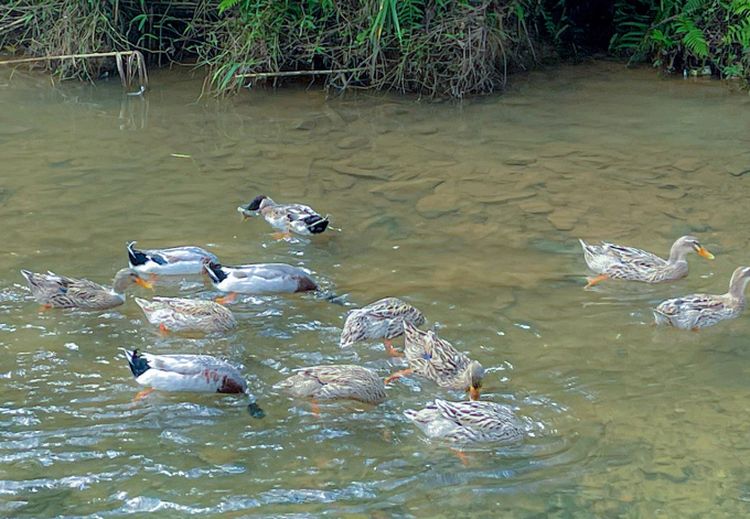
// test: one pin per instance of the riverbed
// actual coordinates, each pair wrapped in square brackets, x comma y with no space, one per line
[471,212]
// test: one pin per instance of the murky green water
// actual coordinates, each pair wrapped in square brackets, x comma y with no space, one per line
[470,212]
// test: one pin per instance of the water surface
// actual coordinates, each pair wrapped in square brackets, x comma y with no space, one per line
[471,212]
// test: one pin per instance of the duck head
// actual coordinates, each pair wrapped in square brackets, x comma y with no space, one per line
[251,209]
[686,244]
[474,374]
[127,277]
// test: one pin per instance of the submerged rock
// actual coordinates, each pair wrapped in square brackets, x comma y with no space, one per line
[536,207]
[352,142]
[400,191]
[519,160]
[563,219]
[354,171]
[434,205]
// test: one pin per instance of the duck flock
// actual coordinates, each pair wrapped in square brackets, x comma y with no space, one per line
[427,355]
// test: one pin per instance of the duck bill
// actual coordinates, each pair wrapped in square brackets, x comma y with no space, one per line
[703,252]
[474,393]
[245,212]
[145,284]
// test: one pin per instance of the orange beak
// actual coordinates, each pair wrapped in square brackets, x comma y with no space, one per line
[703,253]
[145,284]
[474,393]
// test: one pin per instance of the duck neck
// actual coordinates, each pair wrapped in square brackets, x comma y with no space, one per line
[677,255]
[737,288]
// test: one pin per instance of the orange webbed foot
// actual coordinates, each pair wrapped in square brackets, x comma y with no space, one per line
[393,352]
[596,280]
[143,394]
[227,298]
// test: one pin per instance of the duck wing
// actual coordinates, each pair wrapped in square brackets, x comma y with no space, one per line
[185,364]
[180,254]
[695,303]
[487,419]
[633,256]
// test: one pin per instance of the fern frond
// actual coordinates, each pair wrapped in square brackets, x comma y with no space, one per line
[224,5]
[692,37]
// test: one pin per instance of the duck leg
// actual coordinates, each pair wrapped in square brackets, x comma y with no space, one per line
[393,352]
[163,329]
[398,374]
[315,408]
[278,236]
[231,296]
[153,278]
[462,456]
[596,280]
[45,307]
[143,394]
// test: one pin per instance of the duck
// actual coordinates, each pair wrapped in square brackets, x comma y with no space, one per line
[436,359]
[383,319]
[612,261]
[259,278]
[176,314]
[287,218]
[468,421]
[335,382]
[697,311]
[192,373]
[53,291]
[173,261]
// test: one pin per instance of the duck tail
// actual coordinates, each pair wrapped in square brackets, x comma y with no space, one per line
[316,224]
[331,296]
[214,271]
[143,303]
[135,257]
[137,363]
[28,275]
[253,408]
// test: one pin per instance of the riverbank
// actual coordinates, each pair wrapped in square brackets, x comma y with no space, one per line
[430,48]
[436,49]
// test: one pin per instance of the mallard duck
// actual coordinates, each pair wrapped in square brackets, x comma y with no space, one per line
[174,314]
[172,261]
[698,311]
[335,382]
[383,319]
[612,261]
[53,291]
[436,359]
[287,218]
[260,278]
[464,422]
[194,373]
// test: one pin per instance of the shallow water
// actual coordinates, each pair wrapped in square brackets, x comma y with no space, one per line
[471,212]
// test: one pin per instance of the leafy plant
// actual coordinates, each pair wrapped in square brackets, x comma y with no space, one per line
[685,34]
